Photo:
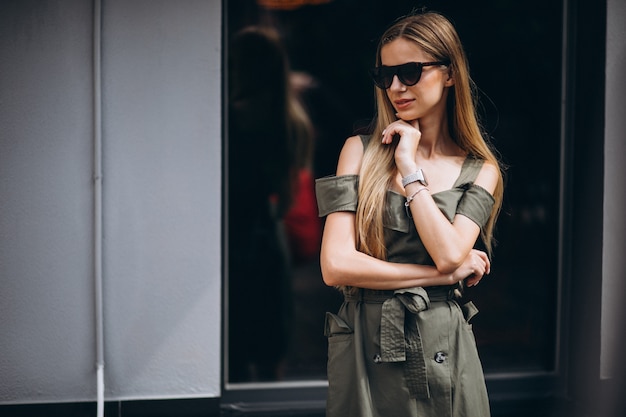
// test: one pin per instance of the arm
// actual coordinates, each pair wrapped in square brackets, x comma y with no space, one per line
[342,264]
[447,243]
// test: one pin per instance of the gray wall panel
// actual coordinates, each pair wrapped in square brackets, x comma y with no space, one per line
[161,186]
[613,262]
[162,182]
[46,295]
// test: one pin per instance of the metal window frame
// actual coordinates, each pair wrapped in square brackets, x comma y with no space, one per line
[310,395]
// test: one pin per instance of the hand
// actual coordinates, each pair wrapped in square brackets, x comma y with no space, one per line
[406,149]
[473,268]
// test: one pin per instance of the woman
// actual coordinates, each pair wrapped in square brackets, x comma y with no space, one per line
[427,185]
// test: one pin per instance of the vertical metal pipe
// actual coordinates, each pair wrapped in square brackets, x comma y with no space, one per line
[97,178]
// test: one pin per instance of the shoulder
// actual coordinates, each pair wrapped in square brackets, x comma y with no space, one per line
[351,156]
[488,176]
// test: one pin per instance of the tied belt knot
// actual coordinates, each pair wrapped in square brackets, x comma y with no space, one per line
[400,338]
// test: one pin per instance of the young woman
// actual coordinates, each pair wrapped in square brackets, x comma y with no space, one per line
[404,212]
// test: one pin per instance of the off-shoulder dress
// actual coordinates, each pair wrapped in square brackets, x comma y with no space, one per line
[408,352]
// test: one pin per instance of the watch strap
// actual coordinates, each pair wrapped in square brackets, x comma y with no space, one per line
[417,176]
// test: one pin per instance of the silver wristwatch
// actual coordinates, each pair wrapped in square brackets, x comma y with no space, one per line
[417,176]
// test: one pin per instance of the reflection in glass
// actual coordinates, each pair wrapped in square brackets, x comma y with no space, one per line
[272,218]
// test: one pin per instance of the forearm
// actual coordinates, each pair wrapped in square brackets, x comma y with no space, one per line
[353,268]
[447,243]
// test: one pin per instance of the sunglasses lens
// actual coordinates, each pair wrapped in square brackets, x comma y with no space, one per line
[382,77]
[410,73]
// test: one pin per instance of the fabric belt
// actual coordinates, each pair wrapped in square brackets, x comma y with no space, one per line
[400,339]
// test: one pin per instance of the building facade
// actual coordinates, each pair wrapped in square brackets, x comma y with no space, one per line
[112,278]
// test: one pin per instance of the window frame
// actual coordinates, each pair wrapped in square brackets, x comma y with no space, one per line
[502,387]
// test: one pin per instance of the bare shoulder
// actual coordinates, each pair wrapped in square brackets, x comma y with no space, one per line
[488,176]
[351,157]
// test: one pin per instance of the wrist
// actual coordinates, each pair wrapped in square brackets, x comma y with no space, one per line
[406,168]
[412,197]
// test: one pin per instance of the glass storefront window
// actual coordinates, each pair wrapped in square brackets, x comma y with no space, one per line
[276,299]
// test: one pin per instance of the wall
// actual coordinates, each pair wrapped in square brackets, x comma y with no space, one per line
[161,85]
[613,262]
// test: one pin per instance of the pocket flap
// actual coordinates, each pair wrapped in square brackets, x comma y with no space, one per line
[335,325]
[469,310]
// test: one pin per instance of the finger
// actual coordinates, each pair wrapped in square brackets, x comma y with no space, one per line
[486,261]
[473,280]
[487,264]
[387,135]
[478,271]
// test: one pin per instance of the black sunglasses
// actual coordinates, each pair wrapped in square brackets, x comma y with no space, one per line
[408,74]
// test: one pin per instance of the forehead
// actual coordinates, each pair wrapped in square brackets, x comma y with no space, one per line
[401,51]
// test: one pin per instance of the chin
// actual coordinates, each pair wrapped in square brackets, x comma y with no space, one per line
[406,116]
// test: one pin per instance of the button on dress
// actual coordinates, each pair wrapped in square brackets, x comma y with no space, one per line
[408,352]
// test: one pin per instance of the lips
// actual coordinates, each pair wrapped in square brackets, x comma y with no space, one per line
[402,103]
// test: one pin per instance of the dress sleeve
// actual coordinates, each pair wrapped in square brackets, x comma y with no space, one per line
[476,204]
[336,193]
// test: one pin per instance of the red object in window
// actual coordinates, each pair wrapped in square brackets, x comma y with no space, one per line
[301,221]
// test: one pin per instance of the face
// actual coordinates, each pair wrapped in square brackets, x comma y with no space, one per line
[427,98]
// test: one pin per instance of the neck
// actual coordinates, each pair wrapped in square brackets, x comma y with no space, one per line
[436,139]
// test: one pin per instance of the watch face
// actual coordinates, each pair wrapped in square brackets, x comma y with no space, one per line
[422,178]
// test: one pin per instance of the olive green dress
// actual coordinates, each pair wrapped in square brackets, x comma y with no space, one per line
[407,352]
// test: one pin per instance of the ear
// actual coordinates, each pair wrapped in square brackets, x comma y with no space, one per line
[450,81]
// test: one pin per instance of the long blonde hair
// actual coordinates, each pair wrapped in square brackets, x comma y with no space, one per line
[436,35]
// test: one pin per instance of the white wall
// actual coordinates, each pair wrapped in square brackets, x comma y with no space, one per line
[614,241]
[161,188]
[46,295]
